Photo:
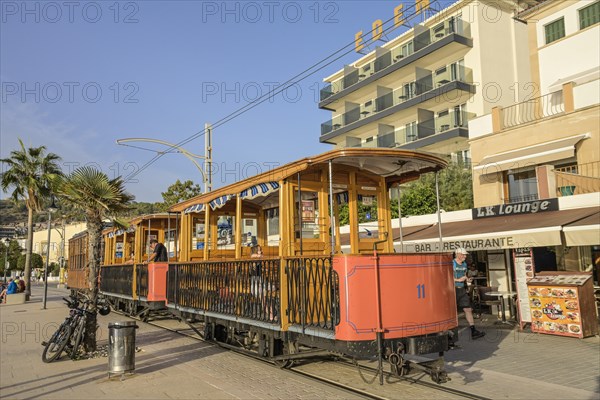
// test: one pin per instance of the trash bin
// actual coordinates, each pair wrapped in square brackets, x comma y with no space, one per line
[121,347]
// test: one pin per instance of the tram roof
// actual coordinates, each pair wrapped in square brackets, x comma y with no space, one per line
[146,217]
[395,165]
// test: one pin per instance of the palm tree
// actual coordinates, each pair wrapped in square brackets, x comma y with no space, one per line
[98,197]
[30,172]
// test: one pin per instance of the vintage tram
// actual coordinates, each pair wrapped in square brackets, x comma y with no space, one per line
[319,287]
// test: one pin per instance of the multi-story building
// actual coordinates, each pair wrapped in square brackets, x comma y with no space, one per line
[549,145]
[420,89]
[519,95]
[536,163]
[60,234]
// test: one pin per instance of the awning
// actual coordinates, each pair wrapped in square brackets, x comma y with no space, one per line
[196,208]
[584,232]
[116,233]
[220,201]
[579,78]
[262,189]
[531,155]
[516,231]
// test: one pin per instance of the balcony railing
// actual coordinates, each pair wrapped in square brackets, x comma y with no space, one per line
[410,133]
[383,61]
[578,179]
[533,110]
[397,96]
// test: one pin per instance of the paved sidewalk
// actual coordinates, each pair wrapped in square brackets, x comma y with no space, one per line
[169,366]
[509,363]
[506,364]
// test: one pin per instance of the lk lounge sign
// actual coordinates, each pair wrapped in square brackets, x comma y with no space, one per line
[528,207]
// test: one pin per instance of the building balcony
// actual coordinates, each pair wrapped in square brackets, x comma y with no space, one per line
[408,95]
[432,131]
[577,179]
[532,110]
[453,30]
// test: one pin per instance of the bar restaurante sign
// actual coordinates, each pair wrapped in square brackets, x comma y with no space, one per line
[527,207]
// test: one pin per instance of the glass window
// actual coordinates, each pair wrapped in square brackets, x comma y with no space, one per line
[198,232]
[249,231]
[272,215]
[309,208]
[522,186]
[411,131]
[407,49]
[225,230]
[589,15]
[555,30]
[367,217]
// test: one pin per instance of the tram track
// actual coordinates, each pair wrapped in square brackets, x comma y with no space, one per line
[305,370]
[249,354]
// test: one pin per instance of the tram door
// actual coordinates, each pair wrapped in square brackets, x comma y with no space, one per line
[369,226]
[308,226]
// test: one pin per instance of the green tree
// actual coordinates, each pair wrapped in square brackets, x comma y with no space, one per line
[455,186]
[29,173]
[14,251]
[99,197]
[37,261]
[418,197]
[178,192]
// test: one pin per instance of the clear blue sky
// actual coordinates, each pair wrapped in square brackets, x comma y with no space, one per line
[77,76]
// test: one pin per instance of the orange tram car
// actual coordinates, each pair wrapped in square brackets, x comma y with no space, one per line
[318,288]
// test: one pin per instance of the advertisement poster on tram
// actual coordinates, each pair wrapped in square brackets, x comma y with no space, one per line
[524,271]
[308,211]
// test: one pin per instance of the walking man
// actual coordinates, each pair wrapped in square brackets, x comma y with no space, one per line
[459,266]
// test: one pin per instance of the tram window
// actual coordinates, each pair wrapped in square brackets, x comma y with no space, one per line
[249,231]
[309,215]
[225,229]
[367,217]
[153,234]
[272,217]
[170,242]
[119,249]
[198,233]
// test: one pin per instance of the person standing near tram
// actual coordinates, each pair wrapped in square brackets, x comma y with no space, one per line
[459,267]
[159,252]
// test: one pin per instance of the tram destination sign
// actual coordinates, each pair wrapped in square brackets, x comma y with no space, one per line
[527,207]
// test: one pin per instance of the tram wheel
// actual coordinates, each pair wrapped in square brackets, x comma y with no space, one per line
[288,347]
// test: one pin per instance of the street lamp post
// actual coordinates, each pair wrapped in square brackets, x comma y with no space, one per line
[6,263]
[51,209]
[62,259]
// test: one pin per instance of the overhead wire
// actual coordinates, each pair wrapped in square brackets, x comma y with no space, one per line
[284,86]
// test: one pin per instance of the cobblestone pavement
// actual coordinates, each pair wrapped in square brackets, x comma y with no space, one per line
[506,364]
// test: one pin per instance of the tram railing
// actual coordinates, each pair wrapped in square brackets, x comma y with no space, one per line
[117,279]
[246,288]
[142,282]
[313,292]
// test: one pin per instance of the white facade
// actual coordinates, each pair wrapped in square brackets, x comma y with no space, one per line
[575,57]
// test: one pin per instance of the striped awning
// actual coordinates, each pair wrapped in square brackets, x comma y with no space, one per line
[194,209]
[117,233]
[220,201]
[262,189]
[342,198]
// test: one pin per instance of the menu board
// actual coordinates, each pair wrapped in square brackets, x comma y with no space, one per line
[555,310]
[524,271]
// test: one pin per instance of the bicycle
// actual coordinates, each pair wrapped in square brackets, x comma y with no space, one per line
[70,334]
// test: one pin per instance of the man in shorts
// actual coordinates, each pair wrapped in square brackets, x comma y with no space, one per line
[459,266]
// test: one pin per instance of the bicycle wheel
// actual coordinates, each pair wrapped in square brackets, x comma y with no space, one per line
[57,343]
[77,338]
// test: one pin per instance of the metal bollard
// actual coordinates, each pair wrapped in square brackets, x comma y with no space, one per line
[121,347]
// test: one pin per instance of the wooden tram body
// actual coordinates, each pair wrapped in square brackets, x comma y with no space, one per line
[315,291]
